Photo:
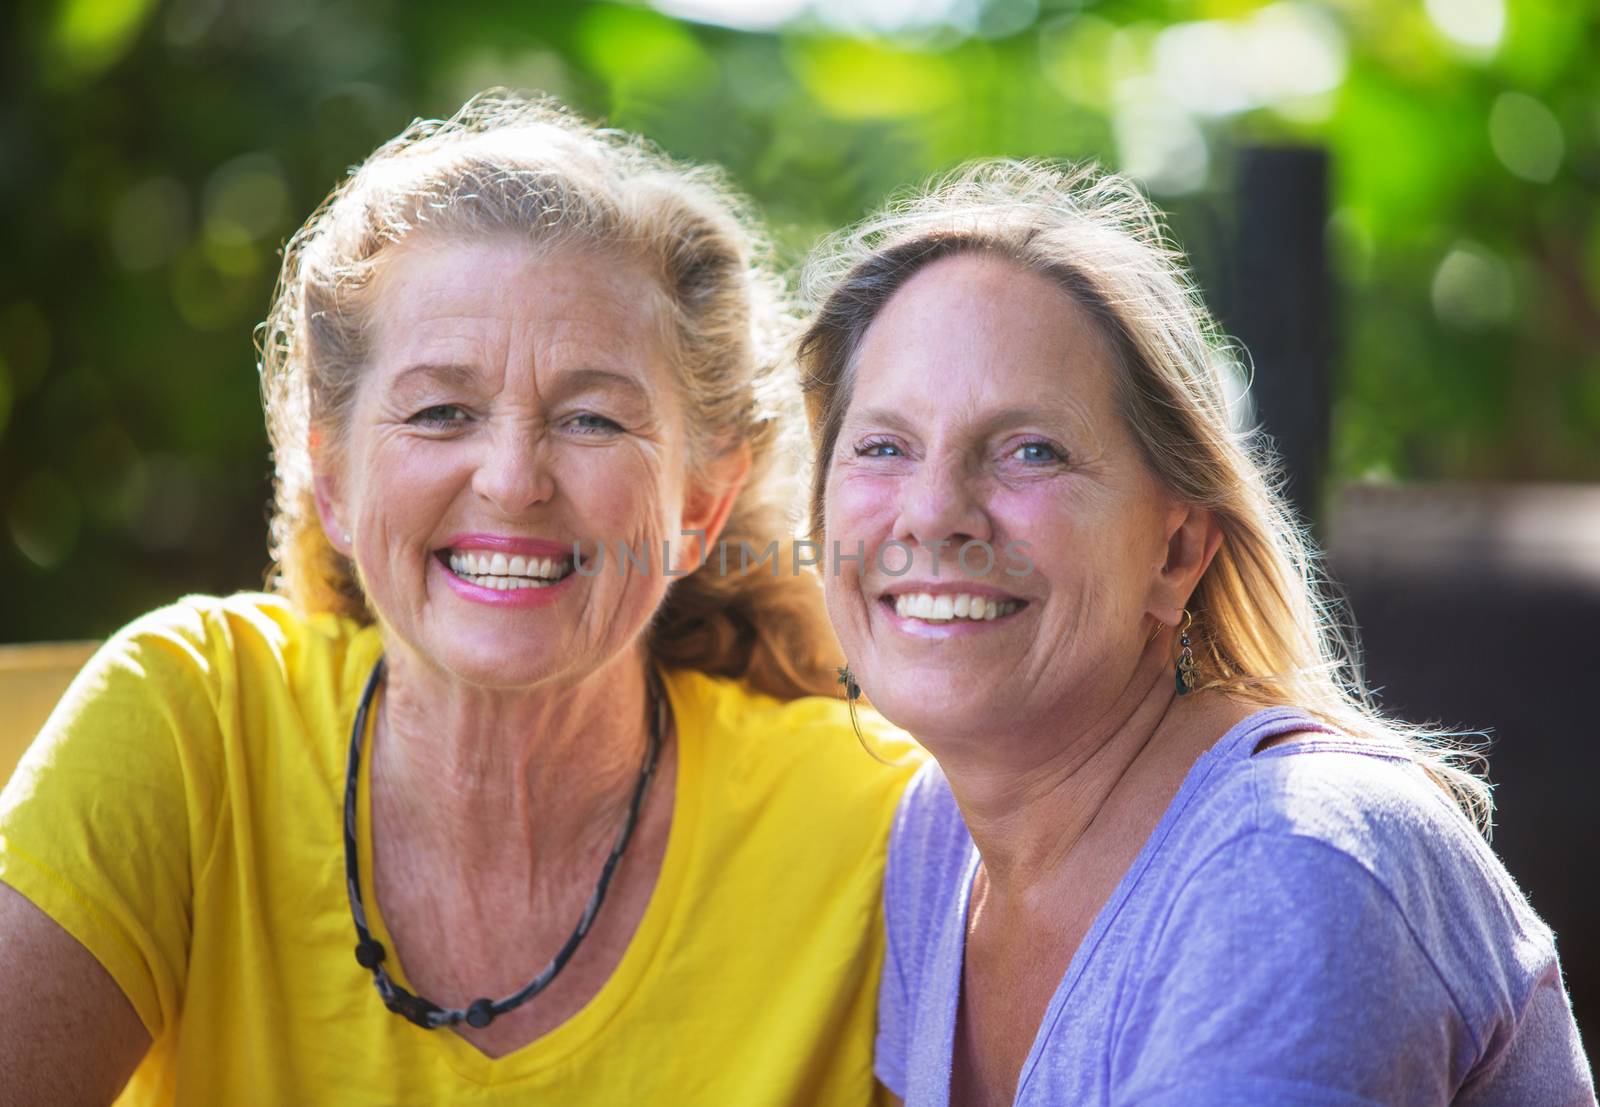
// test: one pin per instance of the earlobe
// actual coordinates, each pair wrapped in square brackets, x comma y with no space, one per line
[329,512]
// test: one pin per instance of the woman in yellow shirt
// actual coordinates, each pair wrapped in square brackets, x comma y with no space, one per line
[518,791]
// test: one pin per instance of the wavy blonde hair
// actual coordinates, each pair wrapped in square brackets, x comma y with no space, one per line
[514,165]
[1268,626]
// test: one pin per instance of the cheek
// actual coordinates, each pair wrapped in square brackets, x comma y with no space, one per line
[618,492]
[860,507]
[1096,551]
[624,497]
[1042,519]
[403,488]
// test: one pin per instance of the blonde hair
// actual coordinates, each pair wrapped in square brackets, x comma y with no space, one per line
[1267,627]
[512,165]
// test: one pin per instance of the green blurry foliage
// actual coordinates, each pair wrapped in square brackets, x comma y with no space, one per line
[155,154]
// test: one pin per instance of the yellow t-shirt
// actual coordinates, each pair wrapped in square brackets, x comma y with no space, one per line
[180,816]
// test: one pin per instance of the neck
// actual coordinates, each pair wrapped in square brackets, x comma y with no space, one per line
[478,776]
[1033,800]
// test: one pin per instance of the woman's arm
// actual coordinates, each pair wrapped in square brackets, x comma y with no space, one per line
[68,1035]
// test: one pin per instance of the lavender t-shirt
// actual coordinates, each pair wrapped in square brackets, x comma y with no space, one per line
[1311,924]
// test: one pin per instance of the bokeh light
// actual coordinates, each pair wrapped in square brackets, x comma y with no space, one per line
[1475,25]
[1526,137]
[1472,288]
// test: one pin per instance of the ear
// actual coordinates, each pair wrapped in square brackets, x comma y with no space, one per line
[709,502]
[1193,538]
[330,507]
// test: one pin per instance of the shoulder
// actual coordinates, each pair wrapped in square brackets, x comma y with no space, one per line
[811,733]
[194,682]
[173,658]
[1375,806]
[248,644]
[248,625]
[1364,800]
[118,805]
[806,748]
[203,628]
[1325,836]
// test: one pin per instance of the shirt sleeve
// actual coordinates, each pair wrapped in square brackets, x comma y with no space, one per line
[1286,973]
[107,817]
[1540,1058]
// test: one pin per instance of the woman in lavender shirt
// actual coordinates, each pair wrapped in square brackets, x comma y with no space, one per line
[1169,853]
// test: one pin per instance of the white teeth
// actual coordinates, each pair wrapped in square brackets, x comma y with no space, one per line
[495,570]
[945,607]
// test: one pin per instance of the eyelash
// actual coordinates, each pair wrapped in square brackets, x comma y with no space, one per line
[605,426]
[426,417]
[431,417]
[1057,456]
[866,448]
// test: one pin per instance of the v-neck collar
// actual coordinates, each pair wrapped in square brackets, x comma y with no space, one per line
[1237,744]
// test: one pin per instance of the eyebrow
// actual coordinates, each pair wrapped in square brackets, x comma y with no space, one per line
[443,373]
[570,381]
[590,379]
[878,416]
[1065,410]
[888,417]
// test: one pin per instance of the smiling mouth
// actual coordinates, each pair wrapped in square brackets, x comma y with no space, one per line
[949,607]
[489,569]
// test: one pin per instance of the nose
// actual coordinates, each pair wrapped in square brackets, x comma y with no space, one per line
[941,502]
[512,474]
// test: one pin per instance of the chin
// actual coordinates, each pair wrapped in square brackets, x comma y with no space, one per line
[920,703]
[490,657]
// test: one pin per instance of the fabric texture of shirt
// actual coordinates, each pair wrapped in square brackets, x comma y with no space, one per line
[1313,924]
[180,816]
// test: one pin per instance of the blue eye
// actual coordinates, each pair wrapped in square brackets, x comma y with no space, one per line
[587,422]
[440,415]
[1037,452]
[879,449]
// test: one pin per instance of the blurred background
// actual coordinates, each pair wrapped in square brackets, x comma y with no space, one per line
[1392,203]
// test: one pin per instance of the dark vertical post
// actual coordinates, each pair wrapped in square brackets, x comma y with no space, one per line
[1281,306]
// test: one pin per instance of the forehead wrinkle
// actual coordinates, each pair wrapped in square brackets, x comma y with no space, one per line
[1072,395]
[555,338]
[446,373]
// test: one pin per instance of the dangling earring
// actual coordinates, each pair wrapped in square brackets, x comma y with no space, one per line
[852,690]
[852,693]
[1185,666]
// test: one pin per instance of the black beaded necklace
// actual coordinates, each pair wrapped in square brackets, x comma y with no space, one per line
[370,952]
